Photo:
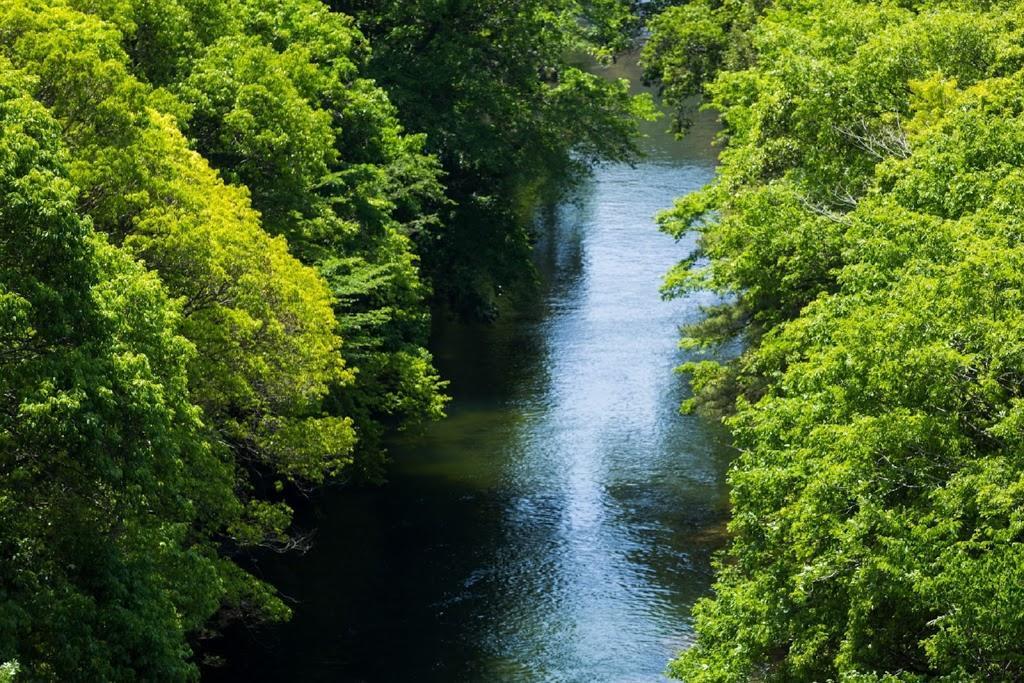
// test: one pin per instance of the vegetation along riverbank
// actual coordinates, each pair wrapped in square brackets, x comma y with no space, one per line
[866,218]
[218,247]
[225,226]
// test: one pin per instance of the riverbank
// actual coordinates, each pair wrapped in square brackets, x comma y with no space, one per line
[558,524]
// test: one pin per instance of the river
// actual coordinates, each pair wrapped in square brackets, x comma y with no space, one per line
[558,525]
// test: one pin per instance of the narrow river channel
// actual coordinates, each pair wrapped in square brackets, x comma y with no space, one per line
[558,525]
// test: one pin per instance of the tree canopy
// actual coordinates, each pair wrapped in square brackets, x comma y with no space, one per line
[212,221]
[272,97]
[111,497]
[865,227]
[499,90]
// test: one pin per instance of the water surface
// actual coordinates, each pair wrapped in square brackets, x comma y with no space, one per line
[558,525]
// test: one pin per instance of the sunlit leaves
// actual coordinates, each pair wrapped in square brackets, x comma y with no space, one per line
[866,220]
[109,493]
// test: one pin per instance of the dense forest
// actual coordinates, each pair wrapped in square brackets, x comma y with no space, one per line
[225,226]
[220,238]
[865,227]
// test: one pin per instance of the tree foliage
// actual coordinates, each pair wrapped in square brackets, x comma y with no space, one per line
[265,335]
[111,498]
[866,220]
[498,89]
[272,96]
[210,287]
[251,345]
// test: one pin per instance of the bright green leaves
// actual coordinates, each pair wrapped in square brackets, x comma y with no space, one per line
[866,222]
[250,120]
[261,322]
[175,405]
[277,104]
[134,420]
[108,492]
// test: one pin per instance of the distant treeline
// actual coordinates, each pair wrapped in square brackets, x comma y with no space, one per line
[221,224]
[867,229]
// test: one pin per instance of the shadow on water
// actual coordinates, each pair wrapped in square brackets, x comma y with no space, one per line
[558,525]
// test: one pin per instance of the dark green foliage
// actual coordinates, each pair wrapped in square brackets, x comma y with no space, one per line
[505,109]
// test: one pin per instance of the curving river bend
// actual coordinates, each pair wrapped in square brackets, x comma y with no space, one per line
[558,525]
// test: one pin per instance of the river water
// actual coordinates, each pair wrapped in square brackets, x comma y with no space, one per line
[558,525]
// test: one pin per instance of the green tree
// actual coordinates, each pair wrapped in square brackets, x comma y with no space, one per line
[865,221]
[496,88]
[262,323]
[111,499]
[266,356]
[330,167]
[272,96]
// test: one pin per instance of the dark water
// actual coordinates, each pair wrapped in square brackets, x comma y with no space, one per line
[558,525]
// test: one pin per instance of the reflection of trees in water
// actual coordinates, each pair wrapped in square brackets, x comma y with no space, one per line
[559,250]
